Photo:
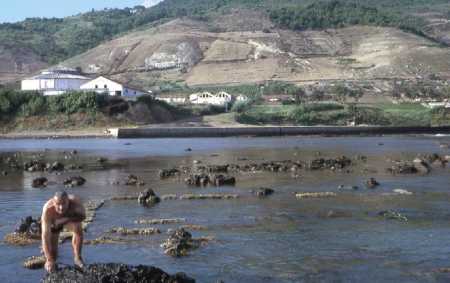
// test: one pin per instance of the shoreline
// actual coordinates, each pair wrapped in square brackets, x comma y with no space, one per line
[161,131]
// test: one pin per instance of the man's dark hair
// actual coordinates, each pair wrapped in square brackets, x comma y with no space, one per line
[61,195]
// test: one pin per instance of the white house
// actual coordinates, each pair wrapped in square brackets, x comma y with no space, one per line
[105,85]
[55,81]
[220,98]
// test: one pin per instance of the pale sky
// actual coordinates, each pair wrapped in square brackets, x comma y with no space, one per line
[17,10]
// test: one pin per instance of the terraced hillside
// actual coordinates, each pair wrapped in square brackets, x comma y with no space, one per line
[189,52]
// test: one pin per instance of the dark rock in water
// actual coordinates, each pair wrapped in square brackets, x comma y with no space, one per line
[262,192]
[148,197]
[34,262]
[4,173]
[74,181]
[221,180]
[165,173]
[133,180]
[188,149]
[40,182]
[372,183]
[115,272]
[102,159]
[30,226]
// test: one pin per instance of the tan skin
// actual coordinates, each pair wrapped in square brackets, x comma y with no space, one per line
[59,212]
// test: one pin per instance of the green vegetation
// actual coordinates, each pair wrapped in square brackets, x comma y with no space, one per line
[26,104]
[338,13]
[407,114]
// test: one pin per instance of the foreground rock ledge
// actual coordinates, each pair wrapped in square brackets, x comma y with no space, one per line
[115,272]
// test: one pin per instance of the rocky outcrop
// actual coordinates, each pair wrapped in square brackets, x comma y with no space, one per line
[166,173]
[160,221]
[180,242]
[393,215]
[148,197]
[333,163]
[115,272]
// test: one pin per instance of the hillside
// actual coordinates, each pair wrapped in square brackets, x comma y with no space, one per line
[32,44]
[261,54]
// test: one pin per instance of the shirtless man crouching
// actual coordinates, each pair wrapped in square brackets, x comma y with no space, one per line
[62,211]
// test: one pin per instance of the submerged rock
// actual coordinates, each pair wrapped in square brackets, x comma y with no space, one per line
[421,166]
[27,232]
[40,182]
[74,181]
[115,272]
[222,180]
[148,197]
[402,168]
[134,231]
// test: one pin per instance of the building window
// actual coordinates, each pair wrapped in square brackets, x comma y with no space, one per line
[96,86]
[106,86]
[118,92]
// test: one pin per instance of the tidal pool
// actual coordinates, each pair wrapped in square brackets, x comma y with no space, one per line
[279,238]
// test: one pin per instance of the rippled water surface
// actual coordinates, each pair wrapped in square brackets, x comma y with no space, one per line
[275,239]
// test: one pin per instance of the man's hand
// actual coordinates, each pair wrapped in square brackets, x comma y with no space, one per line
[78,262]
[61,221]
[50,266]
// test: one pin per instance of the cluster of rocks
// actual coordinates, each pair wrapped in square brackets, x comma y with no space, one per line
[180,242]
[315,195]
[34,262]
[201,180]
[40,166]
[332,164]
[166,173]
[133,180]
[115,272]
[372,183]
[148,197]
[27,232]
[207,196]
[418,165]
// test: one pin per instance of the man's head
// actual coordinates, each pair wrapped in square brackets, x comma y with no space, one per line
[61,200]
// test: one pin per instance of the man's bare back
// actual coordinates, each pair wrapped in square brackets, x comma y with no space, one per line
[61,211]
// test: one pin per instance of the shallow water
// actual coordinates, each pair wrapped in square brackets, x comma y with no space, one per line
[276,239]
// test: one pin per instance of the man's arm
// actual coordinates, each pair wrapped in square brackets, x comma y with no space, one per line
[77,214]
[47,236]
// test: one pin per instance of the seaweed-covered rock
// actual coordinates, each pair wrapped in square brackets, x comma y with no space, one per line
[34,262]
[148,197]
[30,226]
[34,165]
[74,181]
[55,166]
[40,182]
[179,243]
[115,272]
